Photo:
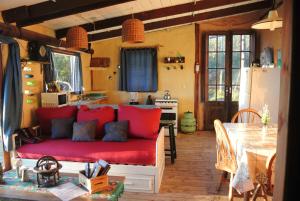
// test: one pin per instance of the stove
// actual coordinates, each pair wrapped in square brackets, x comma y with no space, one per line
[169,112]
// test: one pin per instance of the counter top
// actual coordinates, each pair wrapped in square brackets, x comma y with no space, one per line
[87,101]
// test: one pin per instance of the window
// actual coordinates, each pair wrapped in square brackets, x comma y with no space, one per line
[138,71]
[241,54]
[67,71]
[216,67]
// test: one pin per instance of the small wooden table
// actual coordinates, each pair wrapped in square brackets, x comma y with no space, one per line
[12,191]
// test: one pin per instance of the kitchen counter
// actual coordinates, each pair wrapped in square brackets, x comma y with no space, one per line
[89,98]
[100,100]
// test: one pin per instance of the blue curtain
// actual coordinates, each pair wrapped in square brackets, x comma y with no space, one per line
[78,82]
[49,71]
[12,98]
[138,71]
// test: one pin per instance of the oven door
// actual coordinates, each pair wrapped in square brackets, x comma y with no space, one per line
[168,114]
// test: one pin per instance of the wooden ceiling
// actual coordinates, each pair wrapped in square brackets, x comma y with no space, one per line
[103,18]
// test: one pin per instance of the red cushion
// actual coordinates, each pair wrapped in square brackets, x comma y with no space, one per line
[143,123]
[102,114]
[46,114]
[134,151]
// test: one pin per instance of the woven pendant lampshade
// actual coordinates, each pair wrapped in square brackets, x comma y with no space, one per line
[133,31]
[77,38]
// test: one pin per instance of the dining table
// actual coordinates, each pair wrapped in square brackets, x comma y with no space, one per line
[253,144]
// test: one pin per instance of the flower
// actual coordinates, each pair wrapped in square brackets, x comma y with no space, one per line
[265,117]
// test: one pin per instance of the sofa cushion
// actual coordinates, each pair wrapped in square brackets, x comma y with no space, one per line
[46,114]
[102,114]
[62,128]
[116,131]
[84,131]
[133,152]
[143,123]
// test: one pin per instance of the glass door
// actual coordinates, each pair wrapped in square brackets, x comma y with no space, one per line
[225,55]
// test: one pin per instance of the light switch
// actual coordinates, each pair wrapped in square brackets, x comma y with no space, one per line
[197,67]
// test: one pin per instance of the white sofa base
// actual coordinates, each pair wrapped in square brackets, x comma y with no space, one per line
[138,178]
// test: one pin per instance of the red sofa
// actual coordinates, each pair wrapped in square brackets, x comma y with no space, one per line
[140,149]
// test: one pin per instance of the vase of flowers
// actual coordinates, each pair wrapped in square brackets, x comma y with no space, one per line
[265,117]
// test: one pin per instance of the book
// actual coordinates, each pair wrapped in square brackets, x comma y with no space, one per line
[105,167]
[106,170]
[87,170]
[96,171]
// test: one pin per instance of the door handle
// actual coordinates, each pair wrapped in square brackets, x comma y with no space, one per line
[228,90]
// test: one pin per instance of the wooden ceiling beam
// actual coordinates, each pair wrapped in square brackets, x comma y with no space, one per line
[188,19]
[16,32]
[152,14]
[37,13]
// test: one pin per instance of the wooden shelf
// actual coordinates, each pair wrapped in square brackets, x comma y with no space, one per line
[174,60]
[31,61]
[97,68]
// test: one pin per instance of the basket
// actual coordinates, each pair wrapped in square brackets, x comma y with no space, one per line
[95,184]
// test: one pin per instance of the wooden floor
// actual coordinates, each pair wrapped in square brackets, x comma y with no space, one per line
[193,177]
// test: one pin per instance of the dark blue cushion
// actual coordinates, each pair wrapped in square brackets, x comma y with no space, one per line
[84,131]
[62,128]
[116,131]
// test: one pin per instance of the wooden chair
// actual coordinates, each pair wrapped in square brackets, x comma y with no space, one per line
[264,186]
[246,116]
[226,160]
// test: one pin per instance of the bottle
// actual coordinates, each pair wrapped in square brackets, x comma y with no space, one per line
[149,100]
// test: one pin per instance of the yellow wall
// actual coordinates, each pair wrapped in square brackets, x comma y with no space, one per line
[179,82]
[28,116]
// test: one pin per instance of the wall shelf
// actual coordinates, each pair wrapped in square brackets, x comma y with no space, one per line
[97,68]
[31,61]
[100,62]
[174,60]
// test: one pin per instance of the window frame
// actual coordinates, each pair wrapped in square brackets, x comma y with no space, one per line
[228,58]
[68,53]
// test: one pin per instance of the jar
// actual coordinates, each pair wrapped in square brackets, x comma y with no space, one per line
[188,123]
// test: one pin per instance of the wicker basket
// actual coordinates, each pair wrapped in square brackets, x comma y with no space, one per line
[133,31]
[77,38]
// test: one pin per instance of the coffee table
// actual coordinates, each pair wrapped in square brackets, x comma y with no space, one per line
[16,189]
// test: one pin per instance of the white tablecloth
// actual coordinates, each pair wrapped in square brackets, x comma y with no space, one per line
[252,146]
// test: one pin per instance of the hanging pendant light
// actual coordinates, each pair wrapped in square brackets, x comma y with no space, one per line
[133,31]
[272,22]
[77,38]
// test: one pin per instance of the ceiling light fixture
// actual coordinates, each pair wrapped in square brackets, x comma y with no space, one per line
[133,31]
[77,38]
[272,22]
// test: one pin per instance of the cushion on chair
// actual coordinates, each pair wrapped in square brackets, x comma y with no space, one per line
[84,131]
[62,128]
[143,123]
[116,131]
[102,114]
[46,114]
